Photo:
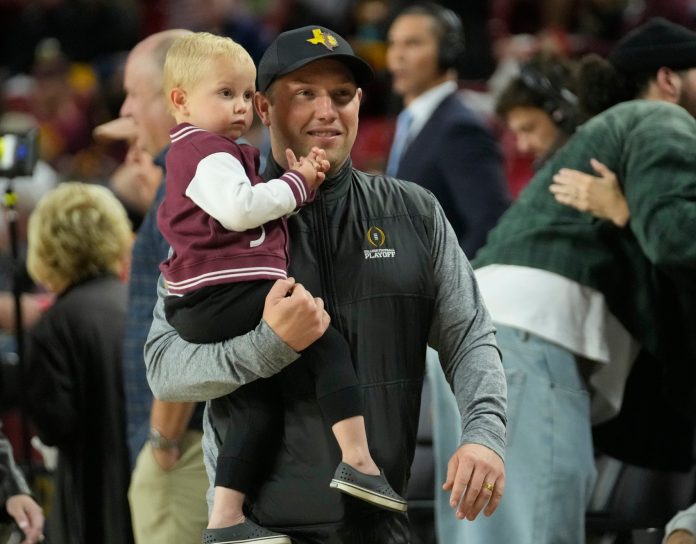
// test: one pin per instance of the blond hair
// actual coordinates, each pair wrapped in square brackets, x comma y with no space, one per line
[189,56]
[77,231]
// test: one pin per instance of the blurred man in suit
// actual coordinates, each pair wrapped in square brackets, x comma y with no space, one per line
[439,143]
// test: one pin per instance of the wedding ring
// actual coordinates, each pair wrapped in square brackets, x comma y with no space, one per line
[489,486]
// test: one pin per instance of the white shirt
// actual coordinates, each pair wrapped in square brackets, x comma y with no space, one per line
[538,301]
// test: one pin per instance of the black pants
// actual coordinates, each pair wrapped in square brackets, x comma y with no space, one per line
[220,312]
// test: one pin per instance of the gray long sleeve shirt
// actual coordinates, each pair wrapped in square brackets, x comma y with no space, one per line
[460,330]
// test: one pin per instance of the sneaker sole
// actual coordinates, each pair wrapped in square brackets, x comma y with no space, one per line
[369,496]
[263,539]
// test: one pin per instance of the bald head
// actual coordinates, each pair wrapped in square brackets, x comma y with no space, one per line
[142,81]
[153,49]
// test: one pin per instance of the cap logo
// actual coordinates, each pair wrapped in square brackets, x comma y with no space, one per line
[327,40]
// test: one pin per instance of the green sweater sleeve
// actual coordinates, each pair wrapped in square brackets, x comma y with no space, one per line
[660,186]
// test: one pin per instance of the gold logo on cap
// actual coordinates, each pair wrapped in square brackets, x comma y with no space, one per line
[327,40]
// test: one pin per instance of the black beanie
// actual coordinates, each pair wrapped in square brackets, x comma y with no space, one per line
[657,43]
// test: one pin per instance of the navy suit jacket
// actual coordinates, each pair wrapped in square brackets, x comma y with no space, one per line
[457,158]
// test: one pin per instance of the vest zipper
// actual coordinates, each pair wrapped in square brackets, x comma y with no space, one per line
[326,274]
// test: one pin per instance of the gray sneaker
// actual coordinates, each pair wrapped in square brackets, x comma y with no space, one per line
[243,533]
[373,489]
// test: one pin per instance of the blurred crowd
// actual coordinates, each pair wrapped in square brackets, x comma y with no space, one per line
[61,61]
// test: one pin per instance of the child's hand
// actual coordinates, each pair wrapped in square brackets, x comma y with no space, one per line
[313,167]
[318,155]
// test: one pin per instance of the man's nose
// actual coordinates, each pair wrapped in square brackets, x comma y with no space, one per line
[325,107]
[391,56]
[125,108]
[523,145]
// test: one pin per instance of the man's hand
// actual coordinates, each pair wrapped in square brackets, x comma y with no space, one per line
[599,195]
[294,315]
[680,536]
[33,306]
[476,477]
[137,179]
[28,516]
[166,458]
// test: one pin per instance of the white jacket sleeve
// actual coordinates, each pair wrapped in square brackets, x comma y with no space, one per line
[222,189]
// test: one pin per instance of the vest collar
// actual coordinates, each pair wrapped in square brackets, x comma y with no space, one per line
[334,186]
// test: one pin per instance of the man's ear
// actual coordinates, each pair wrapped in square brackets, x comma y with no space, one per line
[262,105]
[177,97]
[668,83]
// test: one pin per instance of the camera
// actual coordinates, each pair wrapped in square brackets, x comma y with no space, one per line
[18,153]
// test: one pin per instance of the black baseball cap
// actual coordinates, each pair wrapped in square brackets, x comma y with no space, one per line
[293,49]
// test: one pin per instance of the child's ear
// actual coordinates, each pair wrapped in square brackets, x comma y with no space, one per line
[177,96]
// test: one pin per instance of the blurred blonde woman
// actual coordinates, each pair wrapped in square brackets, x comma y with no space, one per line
[79,242]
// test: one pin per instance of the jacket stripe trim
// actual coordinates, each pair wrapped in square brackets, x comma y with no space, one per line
[186,131]
[293,178]
[228,273]
[225,279]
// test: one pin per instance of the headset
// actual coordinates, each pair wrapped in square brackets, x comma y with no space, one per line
[558,101]
[451,46]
